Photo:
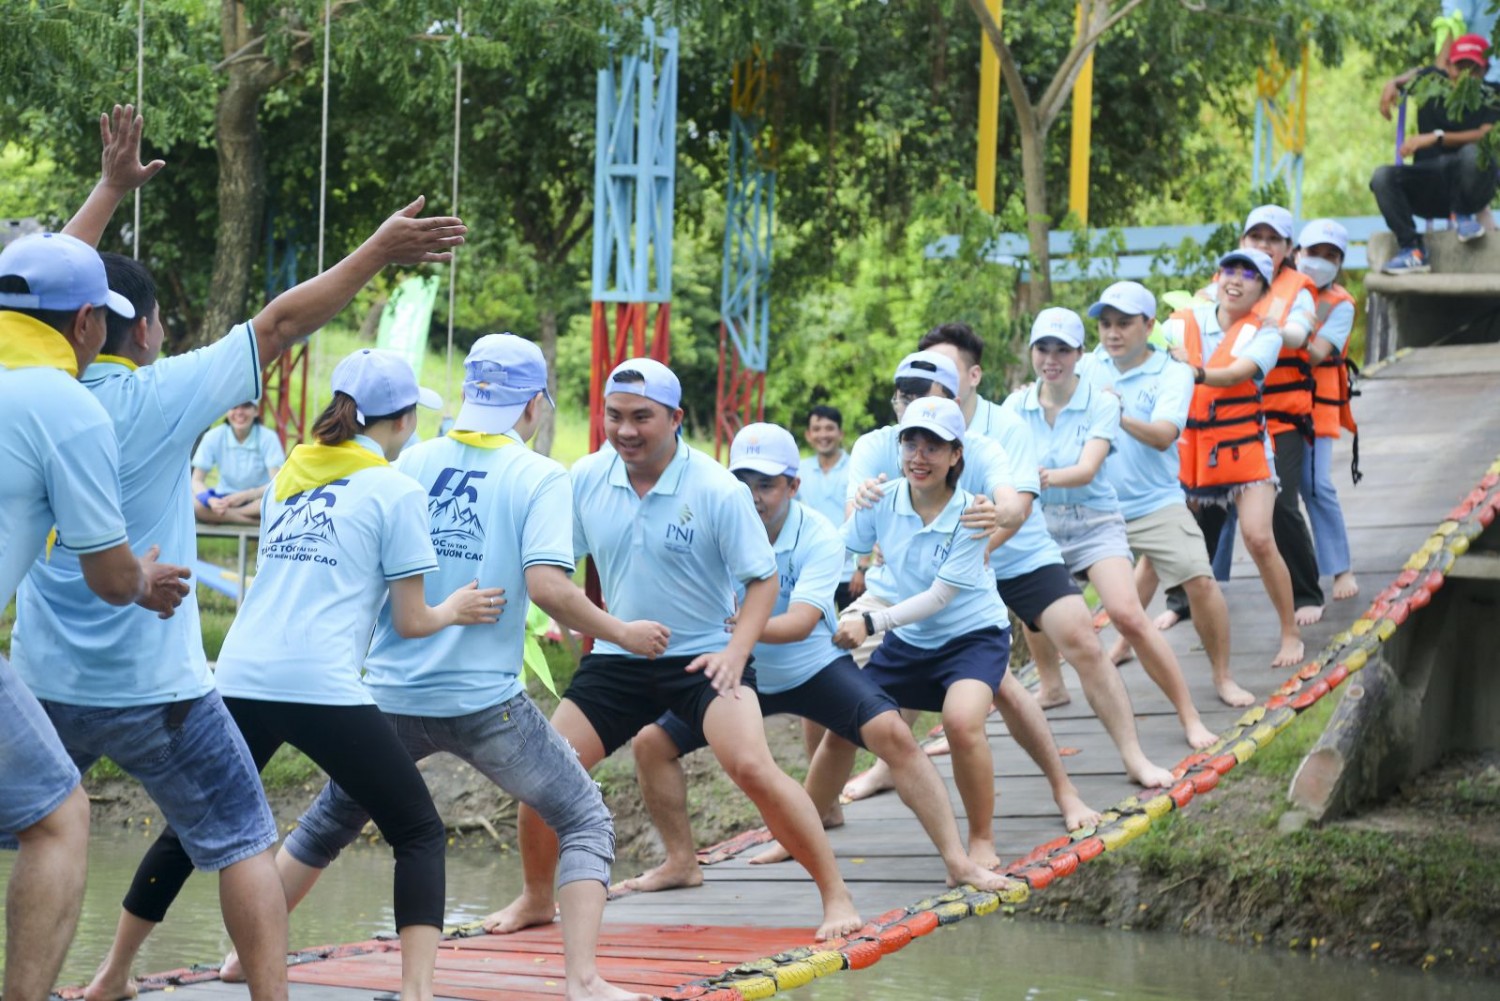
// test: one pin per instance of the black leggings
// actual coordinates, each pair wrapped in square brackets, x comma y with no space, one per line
[359,749]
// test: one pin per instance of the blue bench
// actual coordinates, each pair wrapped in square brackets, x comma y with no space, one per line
[1145,251]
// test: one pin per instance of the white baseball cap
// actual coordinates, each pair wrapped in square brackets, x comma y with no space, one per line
[1274,216]
[502,374]
[658,383]
[62,273]
[942,417]
[768,449]
[1324,231]
[1257,259]
[1130,298]
[381,383]
[932,366]
[1062,324]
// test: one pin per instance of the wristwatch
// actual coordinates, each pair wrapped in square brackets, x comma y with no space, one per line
[1439,135]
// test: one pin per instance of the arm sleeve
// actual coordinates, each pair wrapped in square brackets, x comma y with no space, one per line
[864,464]
[1263,348]
[859,530]
[196,388]
[1337,327]
[916,608]
[822,566]
[1016,440]
[547,532]
[406,536]
[741,537]
[1174,395]
[83,488]
[964,567]
[207,455]
[993,462]
[1303,311]
[580,539]
[1104,417]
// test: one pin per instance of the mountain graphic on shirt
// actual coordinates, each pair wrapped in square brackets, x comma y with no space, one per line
[454,522]
[302,523]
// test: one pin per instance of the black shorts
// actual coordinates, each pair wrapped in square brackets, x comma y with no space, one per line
[1030,594]
[840,697]
[918,678]
[618,695]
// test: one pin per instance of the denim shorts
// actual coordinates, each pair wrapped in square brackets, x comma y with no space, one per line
[513,746]
[1086,535]
[191,760]
[840,697]
[36,774]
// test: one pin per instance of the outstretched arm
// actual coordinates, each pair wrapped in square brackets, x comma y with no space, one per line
[120,173]
[401,239]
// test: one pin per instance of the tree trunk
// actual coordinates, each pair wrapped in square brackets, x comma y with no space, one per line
[369,330]
[1034,180]
[242,197]
[546,431]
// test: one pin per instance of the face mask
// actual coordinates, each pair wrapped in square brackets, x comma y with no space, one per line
[1321,271]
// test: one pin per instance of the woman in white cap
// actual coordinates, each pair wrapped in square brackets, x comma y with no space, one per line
[949,633]
[1075,424]
[1224,452]
[343,531]
[1320,255]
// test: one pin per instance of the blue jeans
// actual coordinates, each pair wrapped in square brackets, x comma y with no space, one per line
[512,745]
[35,772]
[191,760]
[1323,509]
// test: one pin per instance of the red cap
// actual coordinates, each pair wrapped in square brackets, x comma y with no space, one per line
[1470,48]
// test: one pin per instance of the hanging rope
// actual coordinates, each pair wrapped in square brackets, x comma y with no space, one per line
[317,345]
[458,93]
[140,87]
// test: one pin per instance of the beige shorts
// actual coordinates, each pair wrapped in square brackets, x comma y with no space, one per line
[1174,542]
[866,602]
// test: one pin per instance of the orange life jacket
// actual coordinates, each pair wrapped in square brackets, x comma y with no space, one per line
[1222,443]
[1288,389]
[1332,388]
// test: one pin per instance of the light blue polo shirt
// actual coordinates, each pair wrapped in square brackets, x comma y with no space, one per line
[825,493]
[1158,389]
[57,450]
[1089,414]
[675,555]
[1032,547]
[917,554]
[491,512]
[987,467]
[1337,325]
[71,646]
[241,464]
[1257,343]
[326,556]
[809,554]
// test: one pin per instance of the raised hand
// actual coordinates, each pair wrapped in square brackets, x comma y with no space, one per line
[166,585]
[406,239]
[120,163]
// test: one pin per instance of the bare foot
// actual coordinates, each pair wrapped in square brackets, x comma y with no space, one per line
[1308,615]
[1290,654]
[982,853]
[937,748]
[877,779]
[1052,698]
[108,989]
[839,919]
[1076,813]
[773,854]
[663,877]
[1198,737]
[1166,620]
[523,912]
[230,971]
[1231,694]
[966,872]
[596,988]
[1121,653]
[1345,586]
[1149,776]
[834,817]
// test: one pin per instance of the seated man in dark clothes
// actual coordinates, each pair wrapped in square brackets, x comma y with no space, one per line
[1446,175]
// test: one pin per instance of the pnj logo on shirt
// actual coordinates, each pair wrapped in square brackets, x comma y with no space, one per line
[457,532]
[940,552]
[789,579]
[679,537]
[305,531]
[1144,401]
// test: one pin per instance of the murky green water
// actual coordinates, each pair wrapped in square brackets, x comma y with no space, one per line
[977,960]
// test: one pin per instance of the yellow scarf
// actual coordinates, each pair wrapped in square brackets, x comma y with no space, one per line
[313,465]
[26,342]
[481,440]
[117,360]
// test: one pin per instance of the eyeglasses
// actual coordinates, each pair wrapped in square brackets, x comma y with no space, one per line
[931,450]
[1249,274]
[900,399]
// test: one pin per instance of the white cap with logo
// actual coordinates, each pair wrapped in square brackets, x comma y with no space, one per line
[62,273]
[1274,216]
[1130,298]
[1324,231]
[381,383]
[932,366]
[1058,323]
[943,418]
[502,374]
[656,383]
[768,449]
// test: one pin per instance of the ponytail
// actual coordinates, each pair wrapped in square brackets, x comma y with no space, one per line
[339,422]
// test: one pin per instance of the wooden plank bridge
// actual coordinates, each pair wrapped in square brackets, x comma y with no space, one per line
[1431,433]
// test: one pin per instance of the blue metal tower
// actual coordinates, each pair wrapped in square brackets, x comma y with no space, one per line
[635,180]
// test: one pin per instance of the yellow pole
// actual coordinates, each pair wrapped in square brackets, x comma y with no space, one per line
[989,113]
[1083,125]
